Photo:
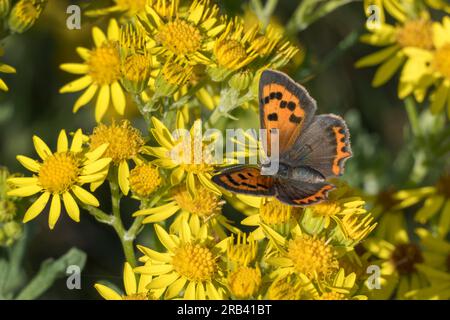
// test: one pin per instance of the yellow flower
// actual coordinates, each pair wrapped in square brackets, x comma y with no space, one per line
[59,176]
[101,72]
[124,143]
[437,200]
[183,34]
[290,288]
[431,69]
[190,267]
[244,282]
[129,8]
[308,255]
[205,207]
[134,289]
[144,180]
[241,252]
[187,156]
[388,206]
[411,33]
[274,214]
[4,68]
[398,263]
[342,287]
[436,252]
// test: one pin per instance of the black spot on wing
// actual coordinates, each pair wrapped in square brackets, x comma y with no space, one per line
[294,119]
[291,105]
[272,117]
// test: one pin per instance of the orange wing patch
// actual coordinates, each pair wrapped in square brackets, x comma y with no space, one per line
[282,111]
[341,150]
[245,180]
[318,196]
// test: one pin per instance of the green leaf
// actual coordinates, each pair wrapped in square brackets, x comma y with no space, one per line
[50,271]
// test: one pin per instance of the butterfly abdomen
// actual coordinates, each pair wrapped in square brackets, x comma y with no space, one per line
[305,174]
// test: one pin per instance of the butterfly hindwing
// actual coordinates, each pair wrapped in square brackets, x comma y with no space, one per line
[324,146]
[300,193]
[245,179]
[284,105]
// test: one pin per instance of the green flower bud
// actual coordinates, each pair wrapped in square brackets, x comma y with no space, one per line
[7,210]
[24,14]
[5,5]
[13,231]
[241,80]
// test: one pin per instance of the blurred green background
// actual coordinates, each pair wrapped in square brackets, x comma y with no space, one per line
[377,119]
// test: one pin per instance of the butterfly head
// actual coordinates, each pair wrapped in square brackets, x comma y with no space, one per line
[273,168]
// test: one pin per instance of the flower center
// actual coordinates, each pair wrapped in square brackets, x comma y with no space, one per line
[205,204]
[244,282]
[195,262]
[443,185]
[179,37]
[230,53]
[124,140]
[441,61]
[144,180]
[104,64]
[326,209]
[136,68]
[312,257]
[27,11]
[416,33]
[59,172]
[405,256]
[274,212]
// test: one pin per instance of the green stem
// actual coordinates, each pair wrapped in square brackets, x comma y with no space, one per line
[126,238]
[413,117]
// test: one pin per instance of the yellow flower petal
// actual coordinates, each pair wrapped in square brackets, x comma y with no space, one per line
[124,174]
[189,294]
[23,181]
[63,143]
[75,68]
[3,86]
[29,163]
[387,70]
[96,166]
[77,85]
[439,98]
[107,293]
[118,98]
[55,211]
[86,97]
[175,288]
[71,207]
[84,53]
[129,280]
[94,155]
[444,220]
[36,208]
[77,141]
[41,148]
[102,102]
[113,30]
[98,36]
[25,191]
[163,281]
[161,257]
[169,207]
[165,238]
[85,196]
[377,57]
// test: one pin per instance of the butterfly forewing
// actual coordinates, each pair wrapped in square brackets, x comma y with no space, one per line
[284,105]
[247,180]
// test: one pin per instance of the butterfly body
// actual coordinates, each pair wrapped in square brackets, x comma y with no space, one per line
[311,148]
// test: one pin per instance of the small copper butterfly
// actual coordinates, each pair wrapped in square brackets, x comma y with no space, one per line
[311,148]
